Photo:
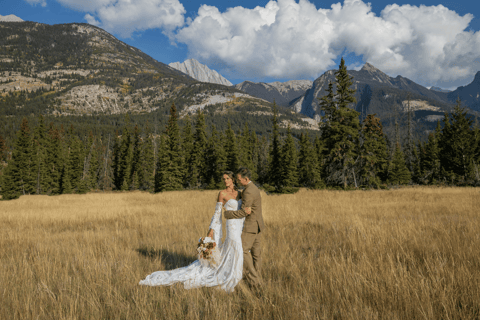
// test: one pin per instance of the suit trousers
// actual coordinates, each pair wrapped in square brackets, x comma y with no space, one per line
[252,257]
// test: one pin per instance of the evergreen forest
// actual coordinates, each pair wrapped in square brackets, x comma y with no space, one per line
[166,153]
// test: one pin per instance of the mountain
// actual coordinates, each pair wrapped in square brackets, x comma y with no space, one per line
[282,92]
[200,72]
[376,92]
[10,18]
[469,94]
[440,89]
[78,70]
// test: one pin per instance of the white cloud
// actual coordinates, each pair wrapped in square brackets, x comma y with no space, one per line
[283,39]
[286,39]
[91,19]
[43,3]
[124,17]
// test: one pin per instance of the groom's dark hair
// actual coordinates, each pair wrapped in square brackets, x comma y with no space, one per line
[244,173]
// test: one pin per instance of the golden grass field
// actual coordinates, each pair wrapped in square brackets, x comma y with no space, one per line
[409,253]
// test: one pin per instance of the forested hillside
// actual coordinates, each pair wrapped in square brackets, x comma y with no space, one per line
[49,158]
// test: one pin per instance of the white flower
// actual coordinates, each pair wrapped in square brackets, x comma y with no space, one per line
[208,240]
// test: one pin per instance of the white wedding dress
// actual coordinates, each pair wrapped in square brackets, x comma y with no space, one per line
[225,274]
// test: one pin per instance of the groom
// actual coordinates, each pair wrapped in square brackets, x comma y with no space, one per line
[251,236]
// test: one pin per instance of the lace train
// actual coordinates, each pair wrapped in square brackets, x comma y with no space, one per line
[226,274]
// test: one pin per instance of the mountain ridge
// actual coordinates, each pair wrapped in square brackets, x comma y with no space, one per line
[469,94]
[367,81]
[280,92]
[81,70]
[10,18]
[200,72]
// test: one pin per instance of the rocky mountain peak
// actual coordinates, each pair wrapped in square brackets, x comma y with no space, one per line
[438,89]
[200,72]
[368,67]
[477,78]
[298,85]
[10,18]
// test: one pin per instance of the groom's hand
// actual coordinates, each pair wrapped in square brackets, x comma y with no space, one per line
[248,210]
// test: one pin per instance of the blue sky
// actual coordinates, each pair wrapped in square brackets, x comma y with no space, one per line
[431,42]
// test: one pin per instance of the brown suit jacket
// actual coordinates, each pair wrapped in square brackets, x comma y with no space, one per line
[250,198]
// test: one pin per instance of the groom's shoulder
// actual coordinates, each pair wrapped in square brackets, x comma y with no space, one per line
[253,187]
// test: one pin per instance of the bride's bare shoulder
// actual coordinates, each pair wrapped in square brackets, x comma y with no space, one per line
[221,196]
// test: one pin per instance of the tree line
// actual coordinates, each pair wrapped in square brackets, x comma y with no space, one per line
[346,154]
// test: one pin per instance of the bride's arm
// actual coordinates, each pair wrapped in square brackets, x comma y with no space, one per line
[215,230]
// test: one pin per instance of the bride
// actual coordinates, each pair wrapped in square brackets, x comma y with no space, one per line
[228,272]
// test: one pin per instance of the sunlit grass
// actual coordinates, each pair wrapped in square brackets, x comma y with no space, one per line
[411,253]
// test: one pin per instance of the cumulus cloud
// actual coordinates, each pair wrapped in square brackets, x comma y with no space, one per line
[43,3]
[283,39]
[91,19]
[124,17]
[286,39]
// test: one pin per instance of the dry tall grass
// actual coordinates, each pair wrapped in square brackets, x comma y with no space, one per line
[401,254]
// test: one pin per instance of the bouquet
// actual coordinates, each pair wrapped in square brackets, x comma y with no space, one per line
[208,253]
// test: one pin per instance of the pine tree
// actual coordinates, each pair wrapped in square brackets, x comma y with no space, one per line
[398,173]
[418,171]
[3,149]
[54,159]
[254,153]
[263,160]
[40,153]
[107,167]
[248,152]
[125,155]
[431,160]
[20,177]
[409,142]
[373,152]
[76,163]
[147,177]
[320,151]
[172,175]
[162,164]
[340,129]
[65,178]
[476,156]
[289,164]
[308,171]
[199,175]
[117,178]
[216,160]
[274,177]
[91,163]
[190,173]
[10,186]
[445,150]
[136,158]
[231,149]
[457,149]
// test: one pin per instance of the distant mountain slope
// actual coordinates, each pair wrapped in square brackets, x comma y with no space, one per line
[376,93]
[10,18]
[437,89]
[200,72]
[78,69]
[469,94]
[282,92]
